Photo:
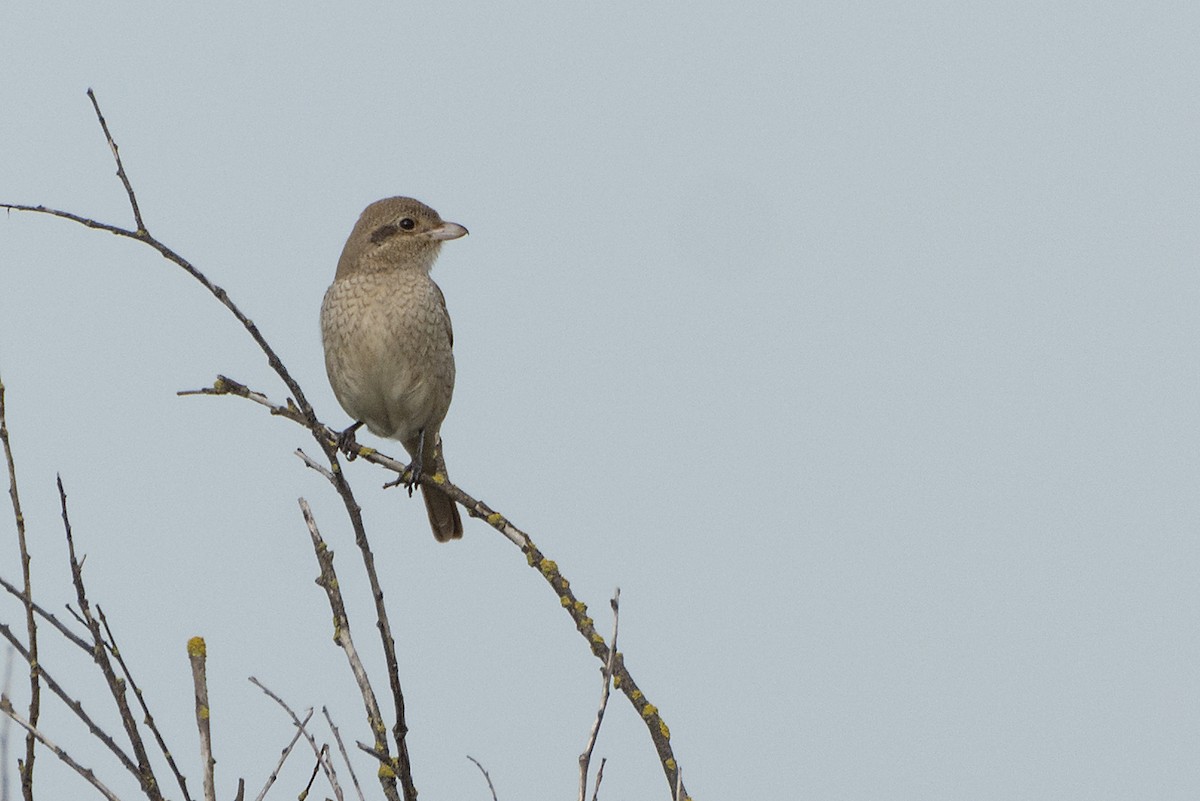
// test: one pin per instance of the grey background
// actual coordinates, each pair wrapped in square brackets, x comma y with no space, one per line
[854,341]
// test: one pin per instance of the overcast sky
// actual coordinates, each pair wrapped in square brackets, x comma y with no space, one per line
[855,341]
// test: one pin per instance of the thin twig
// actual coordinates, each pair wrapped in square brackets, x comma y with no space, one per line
[137,693]
[287,751]
[314,464]
[316,767]
[116,686]
[89,776]
[491,786]
[341,632]
[47,616]
[337,737]
[197,654]
[599,778]
[73,704]
[606,672]
[330,772]
[35,687]
[137,215]
[6,721]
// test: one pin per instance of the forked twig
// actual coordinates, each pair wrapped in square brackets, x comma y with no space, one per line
[320,752]
[287,751]
[606,672]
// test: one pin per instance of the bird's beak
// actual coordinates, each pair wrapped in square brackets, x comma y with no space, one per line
[447,230]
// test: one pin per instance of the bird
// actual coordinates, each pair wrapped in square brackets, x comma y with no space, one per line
[389,345]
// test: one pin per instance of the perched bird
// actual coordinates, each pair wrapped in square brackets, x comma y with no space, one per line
[388,340]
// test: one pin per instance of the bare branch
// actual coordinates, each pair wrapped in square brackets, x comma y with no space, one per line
[341,635]
[491,786]
[5,722]
[72,704]
[116,686]
[310,462]
[606,672]
[283,757]
[599,778]
[316,766]
[197,653]
[35,688]
[48,617]
[330,773]
[137,215]
[337,736]
[6,708]
[137,693]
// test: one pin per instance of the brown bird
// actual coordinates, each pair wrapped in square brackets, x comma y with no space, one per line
[388,340]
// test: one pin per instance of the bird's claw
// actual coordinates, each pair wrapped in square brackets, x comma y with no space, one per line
[347,443]
[411,476]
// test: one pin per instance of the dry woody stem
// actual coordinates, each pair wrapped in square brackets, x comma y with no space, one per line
[197,655]
[31,657]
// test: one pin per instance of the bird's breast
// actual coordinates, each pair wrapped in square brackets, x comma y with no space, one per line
[388,351]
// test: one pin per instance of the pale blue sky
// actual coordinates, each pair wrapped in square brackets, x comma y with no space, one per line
[855,341]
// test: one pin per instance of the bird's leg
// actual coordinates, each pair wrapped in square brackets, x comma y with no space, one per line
[347,443]
[414,469]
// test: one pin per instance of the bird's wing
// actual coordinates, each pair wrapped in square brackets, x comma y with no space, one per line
[445,314]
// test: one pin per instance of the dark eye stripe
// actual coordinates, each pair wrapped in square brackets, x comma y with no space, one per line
[383,232]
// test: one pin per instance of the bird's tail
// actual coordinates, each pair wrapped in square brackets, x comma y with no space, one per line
[443,512]
[443,515]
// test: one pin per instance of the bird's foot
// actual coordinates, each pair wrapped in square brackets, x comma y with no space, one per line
[411,476]
[347,443]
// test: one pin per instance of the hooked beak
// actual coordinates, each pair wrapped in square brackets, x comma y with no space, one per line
[447,230]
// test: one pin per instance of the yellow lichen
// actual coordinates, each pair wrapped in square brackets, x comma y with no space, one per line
[565,601]
[670,763]
[196,647]
[548,566]
[648,710]
[637,695]
[386,772]
[580,607]
[202,712]
[495,518]
[662,727]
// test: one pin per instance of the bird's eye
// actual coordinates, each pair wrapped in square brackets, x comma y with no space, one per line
[408,224]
